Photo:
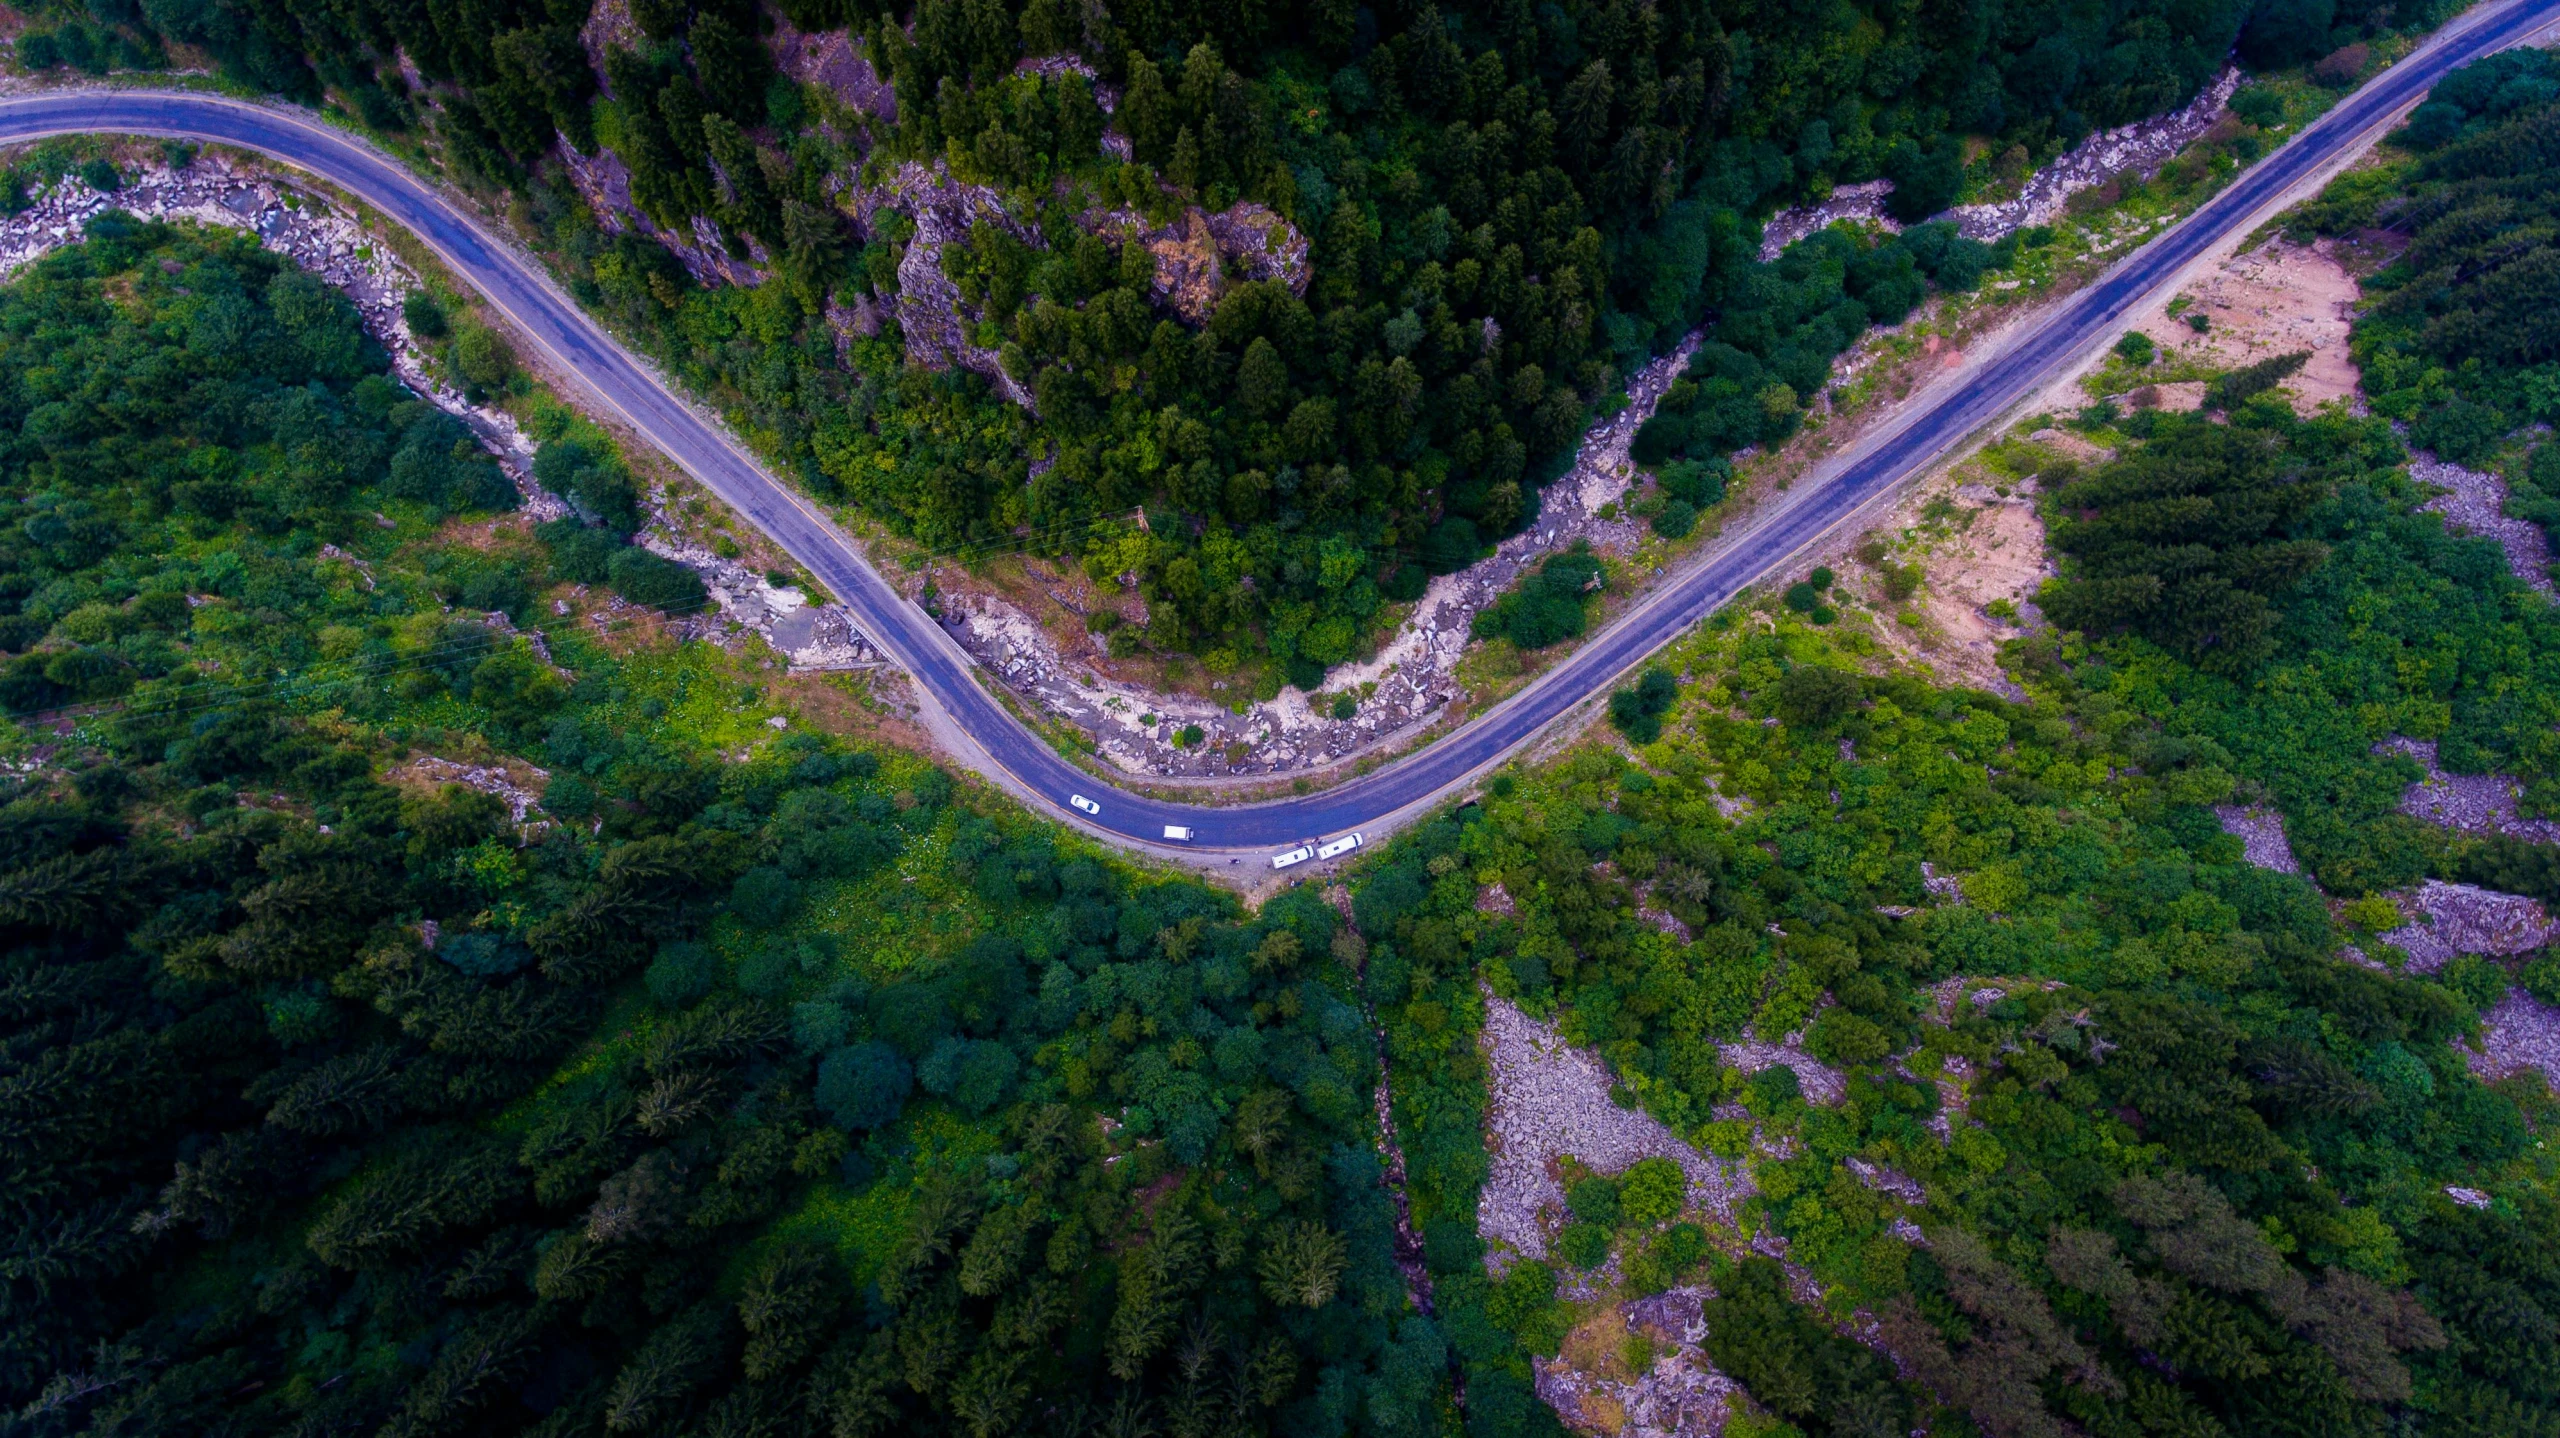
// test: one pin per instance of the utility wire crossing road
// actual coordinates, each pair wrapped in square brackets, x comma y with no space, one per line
[1011,753]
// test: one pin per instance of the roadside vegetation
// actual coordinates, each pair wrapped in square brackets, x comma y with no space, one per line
[1503,209]
[439,1003]
[434,1010]
[2123,1142]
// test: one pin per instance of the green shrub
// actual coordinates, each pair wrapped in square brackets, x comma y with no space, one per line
[483,359]
[2541,976]
[1584,1245]
[1696,482]
[1549,605]
[682,973]
[645,578]
[1594,1200]
[1637,712]
[2481,982]
[1524,1302]
[579,554]
[862,1086]
[426,318]
[1653,1191]
[1817,696]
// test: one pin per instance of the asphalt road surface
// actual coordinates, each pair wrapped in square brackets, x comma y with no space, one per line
[576,345]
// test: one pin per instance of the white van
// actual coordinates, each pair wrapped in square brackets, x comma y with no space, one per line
[1177,831]
[1298,855]
[1343,845]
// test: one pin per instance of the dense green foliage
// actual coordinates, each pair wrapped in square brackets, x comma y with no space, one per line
[1431,1011]
[2195,1180]
[2459,341]
[1505,206]
[2184,541]
[1550,604]
[784,1093]
[197,431]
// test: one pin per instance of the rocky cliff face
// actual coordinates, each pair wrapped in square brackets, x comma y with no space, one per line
[1198,255]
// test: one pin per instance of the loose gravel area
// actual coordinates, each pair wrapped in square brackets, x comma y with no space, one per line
[1821,1083]
[2522,1034]
[2471,803]
[1682,1395]
[1550,1099]
[2475,503]
[2141,147]
[2449,920]
[2261,836]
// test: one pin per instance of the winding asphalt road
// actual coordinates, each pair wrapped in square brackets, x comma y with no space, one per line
[971,717]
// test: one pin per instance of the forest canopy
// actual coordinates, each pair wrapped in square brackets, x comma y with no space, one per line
[721,1081]
[1504,207]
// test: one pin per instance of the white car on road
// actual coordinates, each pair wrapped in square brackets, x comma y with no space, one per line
[1177,831]
[1081,802]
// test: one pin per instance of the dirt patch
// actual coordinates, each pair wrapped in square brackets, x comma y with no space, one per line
[2273,300]
[2176,397]
[876,705]
[513,782]
[1976,548]
[1593,1386]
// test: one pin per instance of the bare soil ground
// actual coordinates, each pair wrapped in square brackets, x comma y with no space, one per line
[2276,299]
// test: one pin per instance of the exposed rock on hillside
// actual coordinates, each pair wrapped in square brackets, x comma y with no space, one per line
[833,60]
[931,316]
[2261,835]
[1199,254]
[2475,503]
[2471,803]
[605,182]
[2141,147]
[2449,920]
[1550,1099]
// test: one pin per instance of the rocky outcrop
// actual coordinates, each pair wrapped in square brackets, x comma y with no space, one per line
[1198,254]
[810,636]
[931,316]
[834,60]
[2447,921]
[605,182]
[2141,147]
